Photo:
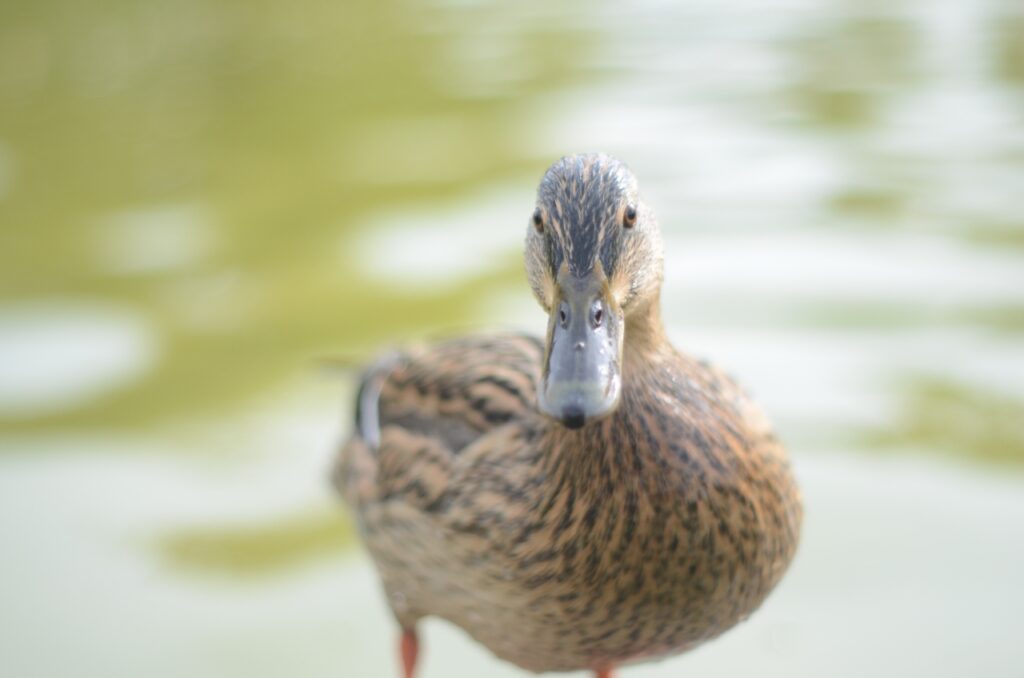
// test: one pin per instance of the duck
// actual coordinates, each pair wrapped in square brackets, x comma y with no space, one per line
[582,501]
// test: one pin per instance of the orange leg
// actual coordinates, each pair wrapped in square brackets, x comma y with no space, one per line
[410,648]
[604,673]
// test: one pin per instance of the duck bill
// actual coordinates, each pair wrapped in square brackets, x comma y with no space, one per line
[581,380]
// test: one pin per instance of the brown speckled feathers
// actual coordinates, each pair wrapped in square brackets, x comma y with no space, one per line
[642,535]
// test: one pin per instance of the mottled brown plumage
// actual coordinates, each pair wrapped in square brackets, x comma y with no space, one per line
[655,526]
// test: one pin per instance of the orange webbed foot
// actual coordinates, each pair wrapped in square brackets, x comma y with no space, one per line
[409,649]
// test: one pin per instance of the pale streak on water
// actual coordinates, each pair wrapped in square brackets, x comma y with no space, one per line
[909,566]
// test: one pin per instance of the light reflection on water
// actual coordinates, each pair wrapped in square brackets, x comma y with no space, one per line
[839,185]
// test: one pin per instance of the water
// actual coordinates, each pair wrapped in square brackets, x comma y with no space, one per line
[203,210]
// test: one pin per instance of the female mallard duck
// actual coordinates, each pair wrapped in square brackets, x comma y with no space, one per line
[583,502]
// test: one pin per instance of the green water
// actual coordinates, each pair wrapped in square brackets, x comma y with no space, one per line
[274,131]
[271,134]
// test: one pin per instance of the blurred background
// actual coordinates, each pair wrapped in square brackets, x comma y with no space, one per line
[206,205]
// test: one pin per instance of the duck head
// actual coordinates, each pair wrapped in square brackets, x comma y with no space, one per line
[594,261]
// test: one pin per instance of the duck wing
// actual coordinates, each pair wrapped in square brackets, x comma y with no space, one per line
[417,410]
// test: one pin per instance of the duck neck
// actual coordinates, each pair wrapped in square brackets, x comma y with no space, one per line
[644,340]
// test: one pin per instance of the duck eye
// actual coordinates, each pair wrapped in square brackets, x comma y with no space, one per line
[629,216]
[538,220]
